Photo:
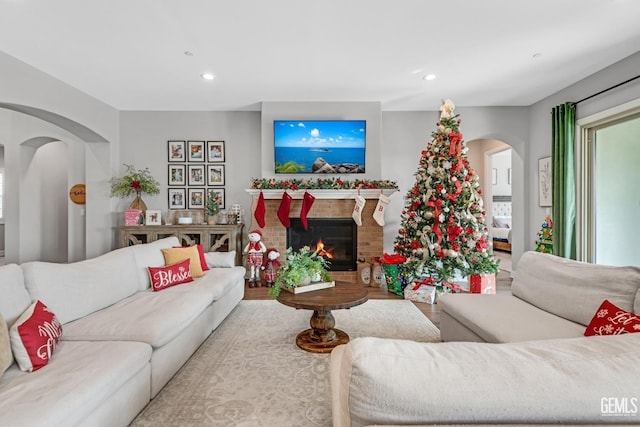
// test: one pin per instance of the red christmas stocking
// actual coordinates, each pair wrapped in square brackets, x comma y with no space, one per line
[283,210]
[307,201]
[258,214]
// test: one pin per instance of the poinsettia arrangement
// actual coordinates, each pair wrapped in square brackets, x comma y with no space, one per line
[134,182]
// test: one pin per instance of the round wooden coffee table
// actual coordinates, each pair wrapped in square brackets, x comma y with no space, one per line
[322,337]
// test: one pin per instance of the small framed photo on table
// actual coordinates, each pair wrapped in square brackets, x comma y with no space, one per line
[153,217]
[177,198]
[177,175]
[215,175]
[176,152]
[195,151]
[215,151]
[196,198]
[196,175]
[218,194]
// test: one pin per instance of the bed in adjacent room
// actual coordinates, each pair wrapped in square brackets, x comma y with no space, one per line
[501,223]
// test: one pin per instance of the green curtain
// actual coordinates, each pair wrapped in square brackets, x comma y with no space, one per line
[563,180]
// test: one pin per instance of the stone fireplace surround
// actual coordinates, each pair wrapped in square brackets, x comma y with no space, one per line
[328,204]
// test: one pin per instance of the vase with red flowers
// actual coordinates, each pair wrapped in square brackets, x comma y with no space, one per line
[135,181]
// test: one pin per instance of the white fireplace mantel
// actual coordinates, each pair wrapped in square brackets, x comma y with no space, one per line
[322,194]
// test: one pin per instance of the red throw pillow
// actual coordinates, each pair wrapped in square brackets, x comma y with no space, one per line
[170,275]
[612,320]
[35,336]
[203,261]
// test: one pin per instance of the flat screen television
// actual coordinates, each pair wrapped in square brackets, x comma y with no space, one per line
[319,146]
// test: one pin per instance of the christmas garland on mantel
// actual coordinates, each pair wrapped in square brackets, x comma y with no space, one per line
[322,184]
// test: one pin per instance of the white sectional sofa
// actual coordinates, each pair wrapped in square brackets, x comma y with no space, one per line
[121,342]
[516,358]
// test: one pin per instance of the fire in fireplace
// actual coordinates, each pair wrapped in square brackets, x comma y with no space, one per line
[334,238]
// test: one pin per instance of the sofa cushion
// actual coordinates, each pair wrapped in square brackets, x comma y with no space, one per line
[6,357]
[170,275]
[503,318]
[571,289]
[399,382]
[35,336]
[79,379]
[612,320]
[154,318]
[14,298]
[150,255]
[174,255]
[221,259]
[215,283]
[77,289]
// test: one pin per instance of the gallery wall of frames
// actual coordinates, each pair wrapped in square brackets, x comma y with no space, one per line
[196,172]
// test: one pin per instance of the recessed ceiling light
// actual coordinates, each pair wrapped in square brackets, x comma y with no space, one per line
[188,53]
[429,77]
[207,76]
[536,55]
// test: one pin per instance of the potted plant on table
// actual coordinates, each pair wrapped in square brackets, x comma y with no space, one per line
[135,181]
[212,208]
[300,268]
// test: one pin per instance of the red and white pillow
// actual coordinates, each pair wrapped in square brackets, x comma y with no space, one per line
[612,320]
[35,336]
[170,275]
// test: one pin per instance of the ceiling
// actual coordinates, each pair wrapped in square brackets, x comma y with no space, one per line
[131,55]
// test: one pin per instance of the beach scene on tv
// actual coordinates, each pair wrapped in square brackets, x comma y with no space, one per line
[319,146]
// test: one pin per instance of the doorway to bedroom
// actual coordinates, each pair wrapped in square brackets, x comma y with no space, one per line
[501,209]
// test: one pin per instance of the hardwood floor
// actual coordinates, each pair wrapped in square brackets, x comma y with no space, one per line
[431,311]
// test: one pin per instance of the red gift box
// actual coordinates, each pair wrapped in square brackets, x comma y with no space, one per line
[132,217]
[482,284]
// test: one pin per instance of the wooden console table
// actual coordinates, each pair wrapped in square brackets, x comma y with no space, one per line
[213,238]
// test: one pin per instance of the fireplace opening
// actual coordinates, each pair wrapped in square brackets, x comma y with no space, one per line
[334,238]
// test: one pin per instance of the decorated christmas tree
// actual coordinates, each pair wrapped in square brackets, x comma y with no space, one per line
[443,221]
[544,243]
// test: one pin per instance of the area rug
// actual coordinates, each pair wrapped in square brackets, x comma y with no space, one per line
[250,372]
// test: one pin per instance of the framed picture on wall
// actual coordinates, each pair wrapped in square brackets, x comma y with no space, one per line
[177,198]
[544,182]
[196,175]
[215,175]
[215,151]
[176,175]
[196,198]
[218,194]
[176,151]
[195,151]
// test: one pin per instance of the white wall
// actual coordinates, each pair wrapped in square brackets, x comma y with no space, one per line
[540,120]
[501,162]
[65,114]
[143,143]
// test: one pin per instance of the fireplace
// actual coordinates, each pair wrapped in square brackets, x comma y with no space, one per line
[335,238]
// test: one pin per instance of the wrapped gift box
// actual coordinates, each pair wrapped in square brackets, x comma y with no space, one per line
[132,217]
[424,293]
[482,284]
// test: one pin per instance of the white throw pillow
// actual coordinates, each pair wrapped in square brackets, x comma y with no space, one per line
[220,259]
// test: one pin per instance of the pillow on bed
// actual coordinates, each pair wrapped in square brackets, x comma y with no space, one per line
[502,221]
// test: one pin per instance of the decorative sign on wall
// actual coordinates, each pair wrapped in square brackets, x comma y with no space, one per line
[78,194]
[202,166]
